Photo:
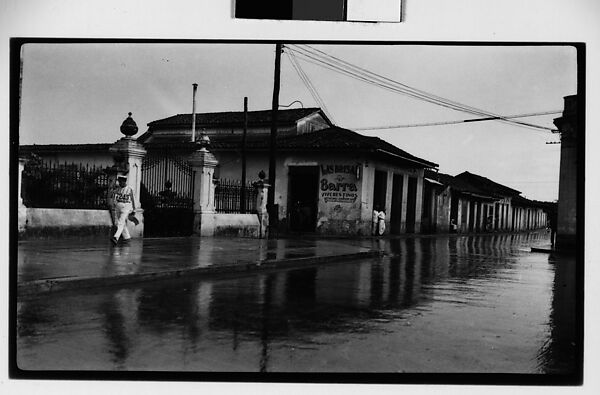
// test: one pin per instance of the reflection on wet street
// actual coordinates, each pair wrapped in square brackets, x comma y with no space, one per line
[443,304]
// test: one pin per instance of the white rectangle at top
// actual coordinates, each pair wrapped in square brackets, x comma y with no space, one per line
[374,10]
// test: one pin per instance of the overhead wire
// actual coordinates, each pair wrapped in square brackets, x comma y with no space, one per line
[414,92]
[312,88]
[309,85]
[325,60]
[414,125]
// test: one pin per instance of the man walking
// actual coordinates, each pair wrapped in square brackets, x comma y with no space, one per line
[122,204]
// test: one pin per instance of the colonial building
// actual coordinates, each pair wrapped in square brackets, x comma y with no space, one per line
[328,179]
[477,204]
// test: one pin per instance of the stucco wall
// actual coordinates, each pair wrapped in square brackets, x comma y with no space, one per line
[339,211]
[238,225]
[55,221]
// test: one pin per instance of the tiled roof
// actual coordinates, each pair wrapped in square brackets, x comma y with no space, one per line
[456,184]
[487,185]
[235,118]
[524,202]
[331,139]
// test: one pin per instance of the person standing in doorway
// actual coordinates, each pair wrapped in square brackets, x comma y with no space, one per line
[381,223]
[375,221]
[121,204]
[453,226]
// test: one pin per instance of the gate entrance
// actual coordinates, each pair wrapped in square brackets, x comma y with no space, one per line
[167,195]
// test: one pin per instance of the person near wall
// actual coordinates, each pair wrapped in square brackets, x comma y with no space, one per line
[121,204]
[453,226]
[380,223]
[375,220]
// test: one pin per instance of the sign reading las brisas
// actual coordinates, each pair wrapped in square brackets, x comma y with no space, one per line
[338,183]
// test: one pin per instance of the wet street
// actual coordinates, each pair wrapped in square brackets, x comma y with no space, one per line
[476,304]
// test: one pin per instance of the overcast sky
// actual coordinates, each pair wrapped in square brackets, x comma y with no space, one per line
[80,93]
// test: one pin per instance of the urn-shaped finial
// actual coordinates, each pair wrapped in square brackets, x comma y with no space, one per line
[129,127]
[204,141]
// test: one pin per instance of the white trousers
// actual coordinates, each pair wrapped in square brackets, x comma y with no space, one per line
[120,219]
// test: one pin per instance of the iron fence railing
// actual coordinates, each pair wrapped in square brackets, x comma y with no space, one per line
[228,196]
[53,185]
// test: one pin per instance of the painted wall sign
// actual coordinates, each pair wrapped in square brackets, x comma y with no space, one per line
[338,184]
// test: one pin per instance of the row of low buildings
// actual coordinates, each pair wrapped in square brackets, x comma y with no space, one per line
[328,179]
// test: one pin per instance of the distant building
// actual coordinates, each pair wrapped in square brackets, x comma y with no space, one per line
[478,204]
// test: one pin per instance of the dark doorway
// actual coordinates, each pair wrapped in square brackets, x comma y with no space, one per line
[472,218]
[396,214]
[411,205]
[303,198]
[379,190]
[454,209]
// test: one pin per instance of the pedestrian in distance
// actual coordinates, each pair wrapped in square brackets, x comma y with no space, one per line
[121,204]
[453,226]
[375,221]
[380,223]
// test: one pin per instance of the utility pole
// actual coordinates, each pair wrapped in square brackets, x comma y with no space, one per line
[243,190]
[195,87]
[271,208]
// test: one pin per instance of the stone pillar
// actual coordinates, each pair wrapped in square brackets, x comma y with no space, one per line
[419,203]
[404,203]
[128,155]
[22,210]
[475,218]
[389,187]
[566,230]
[261,207]
[204,163]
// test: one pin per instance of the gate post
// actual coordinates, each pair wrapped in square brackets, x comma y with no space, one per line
[203,163]
[128,155]
[261,205]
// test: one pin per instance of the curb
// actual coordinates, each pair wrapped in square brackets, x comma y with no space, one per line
[37,287]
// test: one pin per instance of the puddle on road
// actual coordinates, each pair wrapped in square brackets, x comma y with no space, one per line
[471,304]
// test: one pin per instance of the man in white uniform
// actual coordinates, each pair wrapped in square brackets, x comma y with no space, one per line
[121,203]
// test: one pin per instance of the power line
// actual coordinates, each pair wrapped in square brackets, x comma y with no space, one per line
[309,85]
[405,89]
[322,59]
[423,94]
[415,125]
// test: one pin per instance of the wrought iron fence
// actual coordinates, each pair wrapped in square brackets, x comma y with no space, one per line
[53,185]
[228,196]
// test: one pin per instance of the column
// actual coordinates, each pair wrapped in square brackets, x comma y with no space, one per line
[204,163]
[404,203]
[388,199]
[419,203]
[128,155]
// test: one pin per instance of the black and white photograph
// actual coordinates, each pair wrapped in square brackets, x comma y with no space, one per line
[298,207]
[300,197]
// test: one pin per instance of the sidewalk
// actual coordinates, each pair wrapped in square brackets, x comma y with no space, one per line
[70,263]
